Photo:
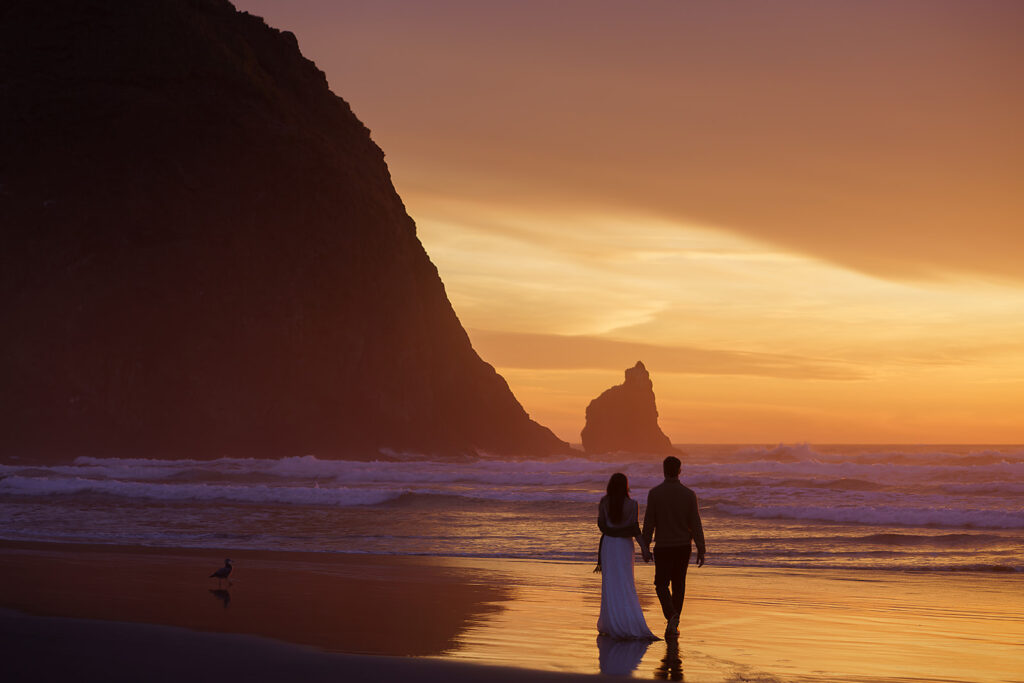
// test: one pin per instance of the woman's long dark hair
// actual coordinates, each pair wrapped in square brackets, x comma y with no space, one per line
[618,492]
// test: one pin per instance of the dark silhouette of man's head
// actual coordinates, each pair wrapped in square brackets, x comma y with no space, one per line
[671,466]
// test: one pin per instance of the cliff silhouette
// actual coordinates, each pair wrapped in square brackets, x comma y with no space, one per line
[203,253]
[624,418]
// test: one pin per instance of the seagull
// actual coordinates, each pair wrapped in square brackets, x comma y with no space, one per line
[222,573]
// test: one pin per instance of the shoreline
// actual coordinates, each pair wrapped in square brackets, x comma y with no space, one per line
[538,615]
[588,560]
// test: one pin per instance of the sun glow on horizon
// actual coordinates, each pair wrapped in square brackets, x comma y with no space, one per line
[745,343]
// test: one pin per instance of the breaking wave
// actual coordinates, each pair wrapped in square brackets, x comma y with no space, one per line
[785,506]
[294,495]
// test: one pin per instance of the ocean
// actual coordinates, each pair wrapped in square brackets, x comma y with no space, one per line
[920,508]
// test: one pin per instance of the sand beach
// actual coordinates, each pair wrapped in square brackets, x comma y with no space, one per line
[92,612]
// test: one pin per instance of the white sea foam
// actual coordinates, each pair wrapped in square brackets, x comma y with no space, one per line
[526,472]
[806,453]
[799,460]
[921,487]
[788,505]
[298,495]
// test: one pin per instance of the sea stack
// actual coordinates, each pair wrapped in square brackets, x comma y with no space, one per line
[203,254]
[625,418]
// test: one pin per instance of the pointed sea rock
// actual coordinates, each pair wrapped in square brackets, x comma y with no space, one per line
[203,253]
[625,418]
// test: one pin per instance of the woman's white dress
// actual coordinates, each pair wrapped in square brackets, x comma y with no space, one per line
[621,616]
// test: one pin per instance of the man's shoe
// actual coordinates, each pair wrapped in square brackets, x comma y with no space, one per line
[672,629]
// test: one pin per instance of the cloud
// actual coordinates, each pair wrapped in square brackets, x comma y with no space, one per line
[561,352]
[881,136]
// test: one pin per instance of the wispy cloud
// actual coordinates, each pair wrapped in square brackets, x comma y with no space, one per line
[561,352]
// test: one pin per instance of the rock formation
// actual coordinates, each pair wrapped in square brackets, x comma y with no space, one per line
[203,253]
[625,418]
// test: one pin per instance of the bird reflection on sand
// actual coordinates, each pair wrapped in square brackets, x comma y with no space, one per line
[222,595]
[671,666]
[620,657]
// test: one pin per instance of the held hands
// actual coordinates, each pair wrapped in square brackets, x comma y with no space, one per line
[646,553]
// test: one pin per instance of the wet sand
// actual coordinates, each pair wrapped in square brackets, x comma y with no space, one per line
[419,617]
[45,649]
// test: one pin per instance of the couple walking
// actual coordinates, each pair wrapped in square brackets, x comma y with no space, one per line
[673,520]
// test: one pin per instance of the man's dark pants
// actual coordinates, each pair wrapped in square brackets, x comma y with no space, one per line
[670,566]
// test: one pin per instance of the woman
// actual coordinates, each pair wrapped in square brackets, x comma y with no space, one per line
[617,514]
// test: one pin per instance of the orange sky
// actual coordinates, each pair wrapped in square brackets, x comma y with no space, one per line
[806,218]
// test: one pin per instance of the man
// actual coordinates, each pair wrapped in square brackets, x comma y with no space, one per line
[672,511]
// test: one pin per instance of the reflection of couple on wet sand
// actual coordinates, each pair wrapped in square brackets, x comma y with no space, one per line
[672,519]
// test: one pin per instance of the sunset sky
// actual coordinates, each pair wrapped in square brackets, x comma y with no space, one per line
[806,218]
